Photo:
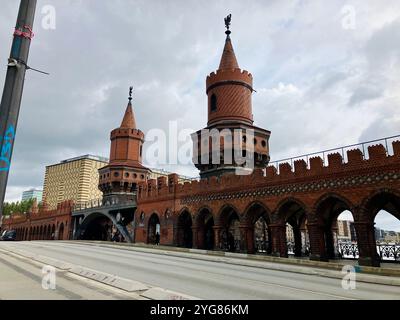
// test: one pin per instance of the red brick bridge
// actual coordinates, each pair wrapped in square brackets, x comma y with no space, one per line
[308,196]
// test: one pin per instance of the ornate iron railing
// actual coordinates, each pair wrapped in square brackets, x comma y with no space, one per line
[261,246]
[362,146]
[97,203]
[226,246]
[290,247]
[387,252]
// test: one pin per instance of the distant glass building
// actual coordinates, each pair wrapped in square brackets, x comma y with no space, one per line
[32,194]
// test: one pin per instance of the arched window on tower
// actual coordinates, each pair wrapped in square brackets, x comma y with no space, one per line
[213,103]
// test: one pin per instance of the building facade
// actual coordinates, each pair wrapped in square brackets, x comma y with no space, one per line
[73,179]
[32,194]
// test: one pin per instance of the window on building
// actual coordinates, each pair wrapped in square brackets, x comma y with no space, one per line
[213,103]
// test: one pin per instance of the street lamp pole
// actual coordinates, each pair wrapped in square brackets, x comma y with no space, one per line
[13,88]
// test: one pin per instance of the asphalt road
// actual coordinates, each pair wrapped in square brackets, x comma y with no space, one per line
[203,279]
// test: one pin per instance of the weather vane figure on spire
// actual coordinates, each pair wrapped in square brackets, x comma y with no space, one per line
[228,20]
[130,94]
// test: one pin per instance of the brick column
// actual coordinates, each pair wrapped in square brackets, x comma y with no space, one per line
[278,237]
[247,239]
[196,243]
[217,237]
[366,244]
[317,241]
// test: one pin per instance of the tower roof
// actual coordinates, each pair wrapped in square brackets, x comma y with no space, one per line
[129,118]
[228,59]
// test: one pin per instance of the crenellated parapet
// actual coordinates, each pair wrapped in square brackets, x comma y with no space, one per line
[126,132]
[167,188]
[229,75]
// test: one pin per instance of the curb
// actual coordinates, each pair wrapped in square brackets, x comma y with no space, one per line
[325,269]
[131,286]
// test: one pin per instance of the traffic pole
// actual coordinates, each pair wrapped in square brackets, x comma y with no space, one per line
[13,88]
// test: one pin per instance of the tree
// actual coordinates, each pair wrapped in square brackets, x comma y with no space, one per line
[17,207]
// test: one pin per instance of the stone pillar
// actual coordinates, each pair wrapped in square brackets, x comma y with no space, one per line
[317,241]
[247,239]
[366,244]
[278,237]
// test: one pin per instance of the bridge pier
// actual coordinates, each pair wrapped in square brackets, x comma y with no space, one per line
[278,235]
[247,239]
[317,242]
[367,244]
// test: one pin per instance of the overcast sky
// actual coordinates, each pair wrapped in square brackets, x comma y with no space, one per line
[323,79]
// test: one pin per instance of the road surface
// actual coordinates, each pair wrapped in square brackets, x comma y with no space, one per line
[198,278]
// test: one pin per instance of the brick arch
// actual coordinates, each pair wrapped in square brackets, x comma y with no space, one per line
[250,217]
[149,215]
[44,237]
[220,218]
[61,230]
[183,230]
[151,223]
[279,216]
[334,199]
[180,212]
[41,232]
[382,199]
[199,213]
[204,235]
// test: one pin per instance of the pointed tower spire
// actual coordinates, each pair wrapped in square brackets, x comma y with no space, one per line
[228,59]
[129,117]
[119,179]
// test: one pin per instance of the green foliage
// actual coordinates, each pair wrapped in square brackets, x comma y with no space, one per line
[17,207]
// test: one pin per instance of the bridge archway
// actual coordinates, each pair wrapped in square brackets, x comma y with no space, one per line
[184,230]
[293,235]
[229,234]
[48,232]
[205,236]
[328,209]
[53,232]
[382,201]
[153,228]
[61,231]
[258,237]
[96,226]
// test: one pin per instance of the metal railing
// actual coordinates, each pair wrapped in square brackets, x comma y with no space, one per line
[362,146]
[97,203]
[262,246]
[230,247]
[386,252]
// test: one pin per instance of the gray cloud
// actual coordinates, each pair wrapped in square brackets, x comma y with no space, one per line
[306,69]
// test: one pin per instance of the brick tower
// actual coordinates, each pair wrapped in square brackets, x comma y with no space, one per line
[230,116]
[118,180]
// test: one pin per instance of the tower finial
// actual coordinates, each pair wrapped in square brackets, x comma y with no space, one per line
[228,20]
[130,94]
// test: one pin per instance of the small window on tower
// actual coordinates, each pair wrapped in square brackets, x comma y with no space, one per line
[141,150]
[213,103]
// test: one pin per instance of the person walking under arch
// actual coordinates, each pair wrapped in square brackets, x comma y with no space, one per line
[157,238]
